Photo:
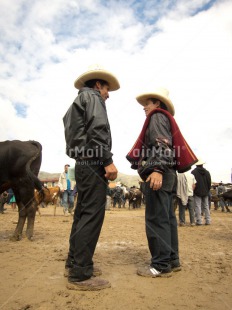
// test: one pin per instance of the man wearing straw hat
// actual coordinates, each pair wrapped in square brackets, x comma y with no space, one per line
[88,141]
[158,152]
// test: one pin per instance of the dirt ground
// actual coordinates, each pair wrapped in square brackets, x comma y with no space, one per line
[31,272]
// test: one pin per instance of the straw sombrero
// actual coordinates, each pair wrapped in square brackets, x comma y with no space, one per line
[161,94]
[97,72]
[200,162]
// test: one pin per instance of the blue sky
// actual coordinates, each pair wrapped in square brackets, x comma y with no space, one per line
[183,45]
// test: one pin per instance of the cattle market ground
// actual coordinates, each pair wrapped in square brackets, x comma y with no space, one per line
[31,272]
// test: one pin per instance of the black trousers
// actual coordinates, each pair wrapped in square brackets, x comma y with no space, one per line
[88,217]
[161,228]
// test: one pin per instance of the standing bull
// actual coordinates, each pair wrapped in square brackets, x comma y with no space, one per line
[117,196]
[19,167]
[135,197]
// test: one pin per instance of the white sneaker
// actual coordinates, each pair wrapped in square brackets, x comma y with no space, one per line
[148,271]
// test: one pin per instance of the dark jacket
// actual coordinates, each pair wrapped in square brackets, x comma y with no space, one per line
[87,129]
[158,151]
[203,179]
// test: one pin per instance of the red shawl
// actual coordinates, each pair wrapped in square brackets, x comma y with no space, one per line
[184,156]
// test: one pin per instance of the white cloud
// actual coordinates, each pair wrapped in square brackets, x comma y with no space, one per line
[44,50]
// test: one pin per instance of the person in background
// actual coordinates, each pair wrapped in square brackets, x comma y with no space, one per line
[75,194]
[88,141]
[11,199]
[13,202]
[108,198]
[3,200]
[210,199]
[66,188]
[201,193]
[221,189]
[185,187]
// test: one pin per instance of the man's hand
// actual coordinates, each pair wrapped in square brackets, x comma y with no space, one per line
[155,179]
[111,172]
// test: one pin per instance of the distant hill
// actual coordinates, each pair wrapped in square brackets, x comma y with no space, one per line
[126,179]
[49,176]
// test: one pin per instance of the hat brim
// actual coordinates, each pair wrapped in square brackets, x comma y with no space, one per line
[200,162]
[97,74]
[142,99]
